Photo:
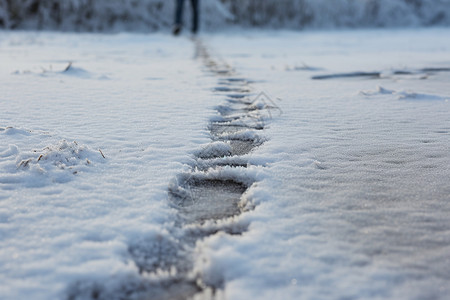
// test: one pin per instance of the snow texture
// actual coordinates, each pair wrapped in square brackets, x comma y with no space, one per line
[355,201]
[54,163]
[348,189]
[145,105]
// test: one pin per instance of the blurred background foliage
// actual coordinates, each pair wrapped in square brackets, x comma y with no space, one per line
[152,15]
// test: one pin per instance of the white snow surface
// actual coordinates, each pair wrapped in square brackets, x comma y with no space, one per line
[356,200]
[352,199]
[140,99]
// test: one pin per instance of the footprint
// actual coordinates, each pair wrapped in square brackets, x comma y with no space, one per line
[202,196]
[208,199]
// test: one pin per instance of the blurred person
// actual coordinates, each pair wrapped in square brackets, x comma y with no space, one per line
[179,16]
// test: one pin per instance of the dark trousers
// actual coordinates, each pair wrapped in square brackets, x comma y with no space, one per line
[179,14]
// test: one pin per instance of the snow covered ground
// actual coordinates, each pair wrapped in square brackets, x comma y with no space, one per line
[142,100]
[356,203]
[352,192]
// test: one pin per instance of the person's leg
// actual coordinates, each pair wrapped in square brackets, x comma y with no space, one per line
[179,12]
[195,15]
[178,17]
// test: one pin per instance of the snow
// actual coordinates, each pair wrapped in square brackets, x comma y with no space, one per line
[355,201]
[404,94]
[351,193]
[58,227]
[215,149]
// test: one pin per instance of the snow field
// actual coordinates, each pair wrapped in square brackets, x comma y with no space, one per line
[355,201]
[142,101]
[349,191]
[124,241]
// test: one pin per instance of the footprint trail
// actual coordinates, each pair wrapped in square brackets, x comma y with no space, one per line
[211,190]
